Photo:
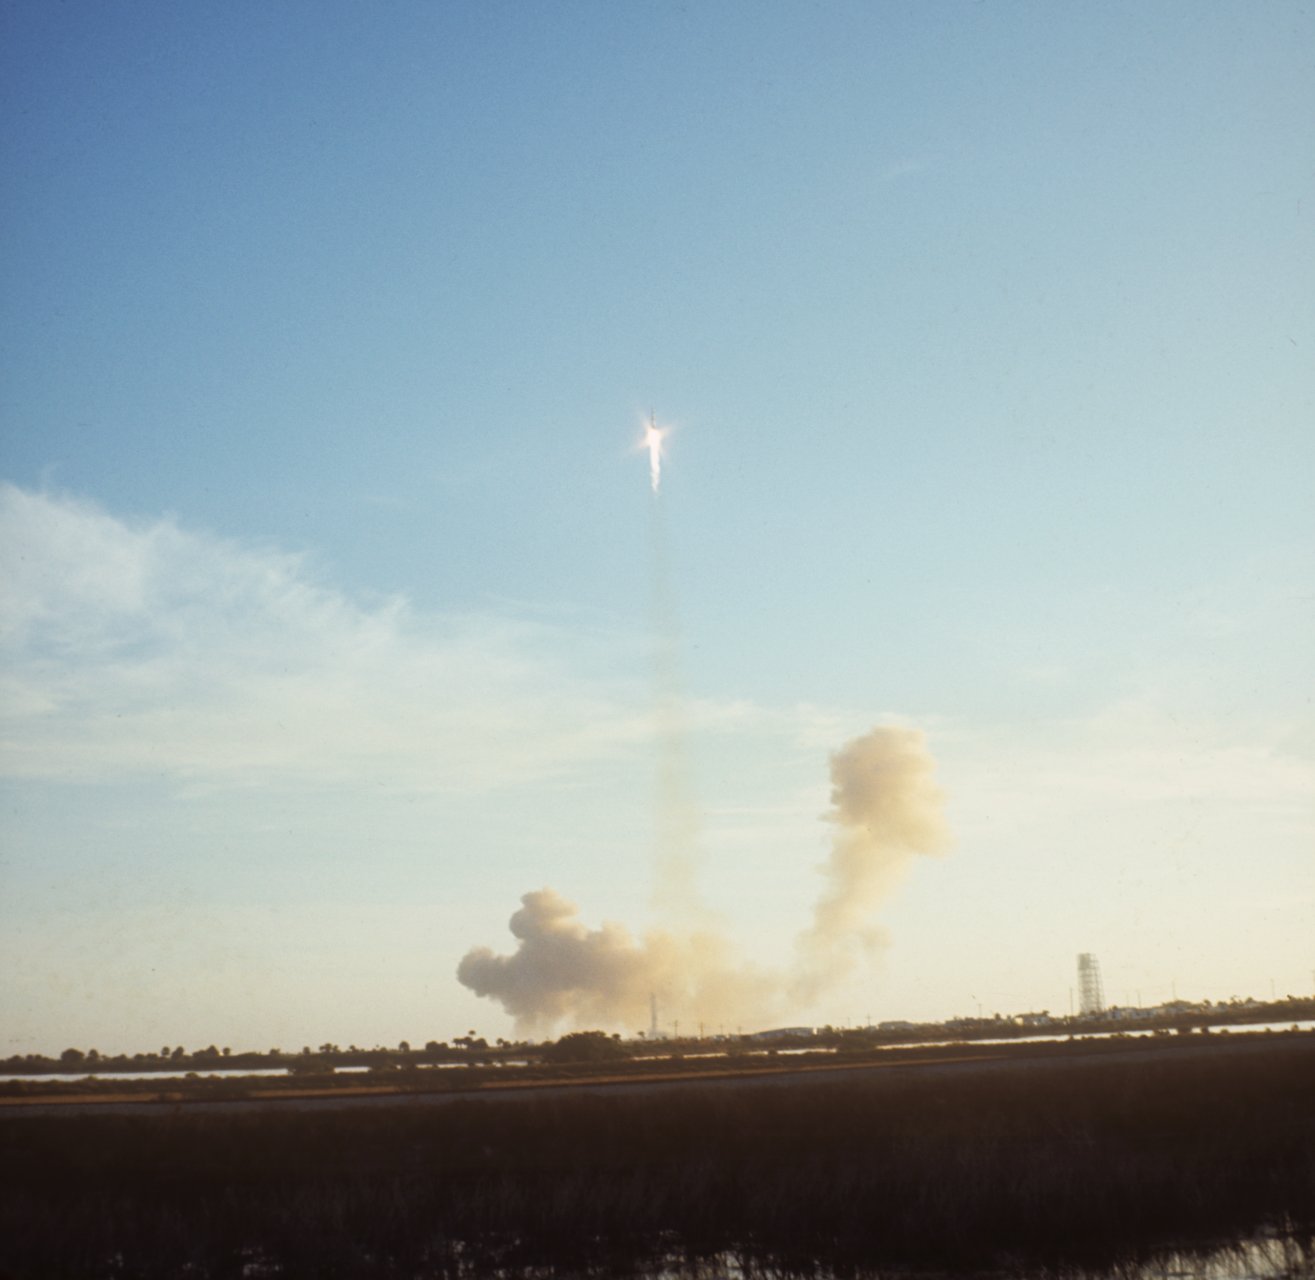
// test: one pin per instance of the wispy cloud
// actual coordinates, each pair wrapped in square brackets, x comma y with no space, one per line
[148,648]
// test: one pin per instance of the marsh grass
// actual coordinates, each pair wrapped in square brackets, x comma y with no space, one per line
[1028,1167]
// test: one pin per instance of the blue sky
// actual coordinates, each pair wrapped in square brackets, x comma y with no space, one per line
[984,334]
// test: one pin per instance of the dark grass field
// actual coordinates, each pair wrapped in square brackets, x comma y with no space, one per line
[1049,1164]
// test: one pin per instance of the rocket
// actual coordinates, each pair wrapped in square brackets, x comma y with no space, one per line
[653,435]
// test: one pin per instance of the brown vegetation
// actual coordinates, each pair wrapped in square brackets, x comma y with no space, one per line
[1053,1163]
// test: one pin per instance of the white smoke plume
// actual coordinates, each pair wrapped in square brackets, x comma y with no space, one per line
[675,890]
[886,809]
[562,970]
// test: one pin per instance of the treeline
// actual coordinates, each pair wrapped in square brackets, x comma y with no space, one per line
[1185,1015]
[595,1046]
[581,1056]
[471,1049]
[1051,1163]
[326,1056]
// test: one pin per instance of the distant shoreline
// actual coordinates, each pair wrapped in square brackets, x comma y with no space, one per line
[198,1096]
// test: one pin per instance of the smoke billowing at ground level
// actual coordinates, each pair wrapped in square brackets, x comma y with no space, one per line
[885,811]
[564,971]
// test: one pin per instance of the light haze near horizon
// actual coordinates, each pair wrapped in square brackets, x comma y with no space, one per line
[984,336]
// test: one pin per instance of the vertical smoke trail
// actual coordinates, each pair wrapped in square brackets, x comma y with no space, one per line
[675,891]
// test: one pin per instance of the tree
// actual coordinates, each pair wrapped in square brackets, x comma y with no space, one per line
[72,1057]
[585,1046]
[310,1066]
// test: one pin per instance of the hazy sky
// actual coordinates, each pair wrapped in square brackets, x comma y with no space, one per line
[330,572]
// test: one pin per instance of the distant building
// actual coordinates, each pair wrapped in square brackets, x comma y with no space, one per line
[1120,1014]
[1042,1019]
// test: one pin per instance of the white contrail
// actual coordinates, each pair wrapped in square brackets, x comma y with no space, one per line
[677,811]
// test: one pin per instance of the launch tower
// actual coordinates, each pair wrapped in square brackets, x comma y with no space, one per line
[1091,998]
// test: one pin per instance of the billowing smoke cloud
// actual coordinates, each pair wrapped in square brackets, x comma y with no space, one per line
[562,970]
[886,809]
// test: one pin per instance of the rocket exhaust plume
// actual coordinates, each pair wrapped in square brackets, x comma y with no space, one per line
[653,437]
[886,811]
[562,970]
[675,891]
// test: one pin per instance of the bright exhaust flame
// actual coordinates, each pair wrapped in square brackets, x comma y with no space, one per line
[653,437]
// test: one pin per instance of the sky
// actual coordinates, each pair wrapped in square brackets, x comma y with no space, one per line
[337,613]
